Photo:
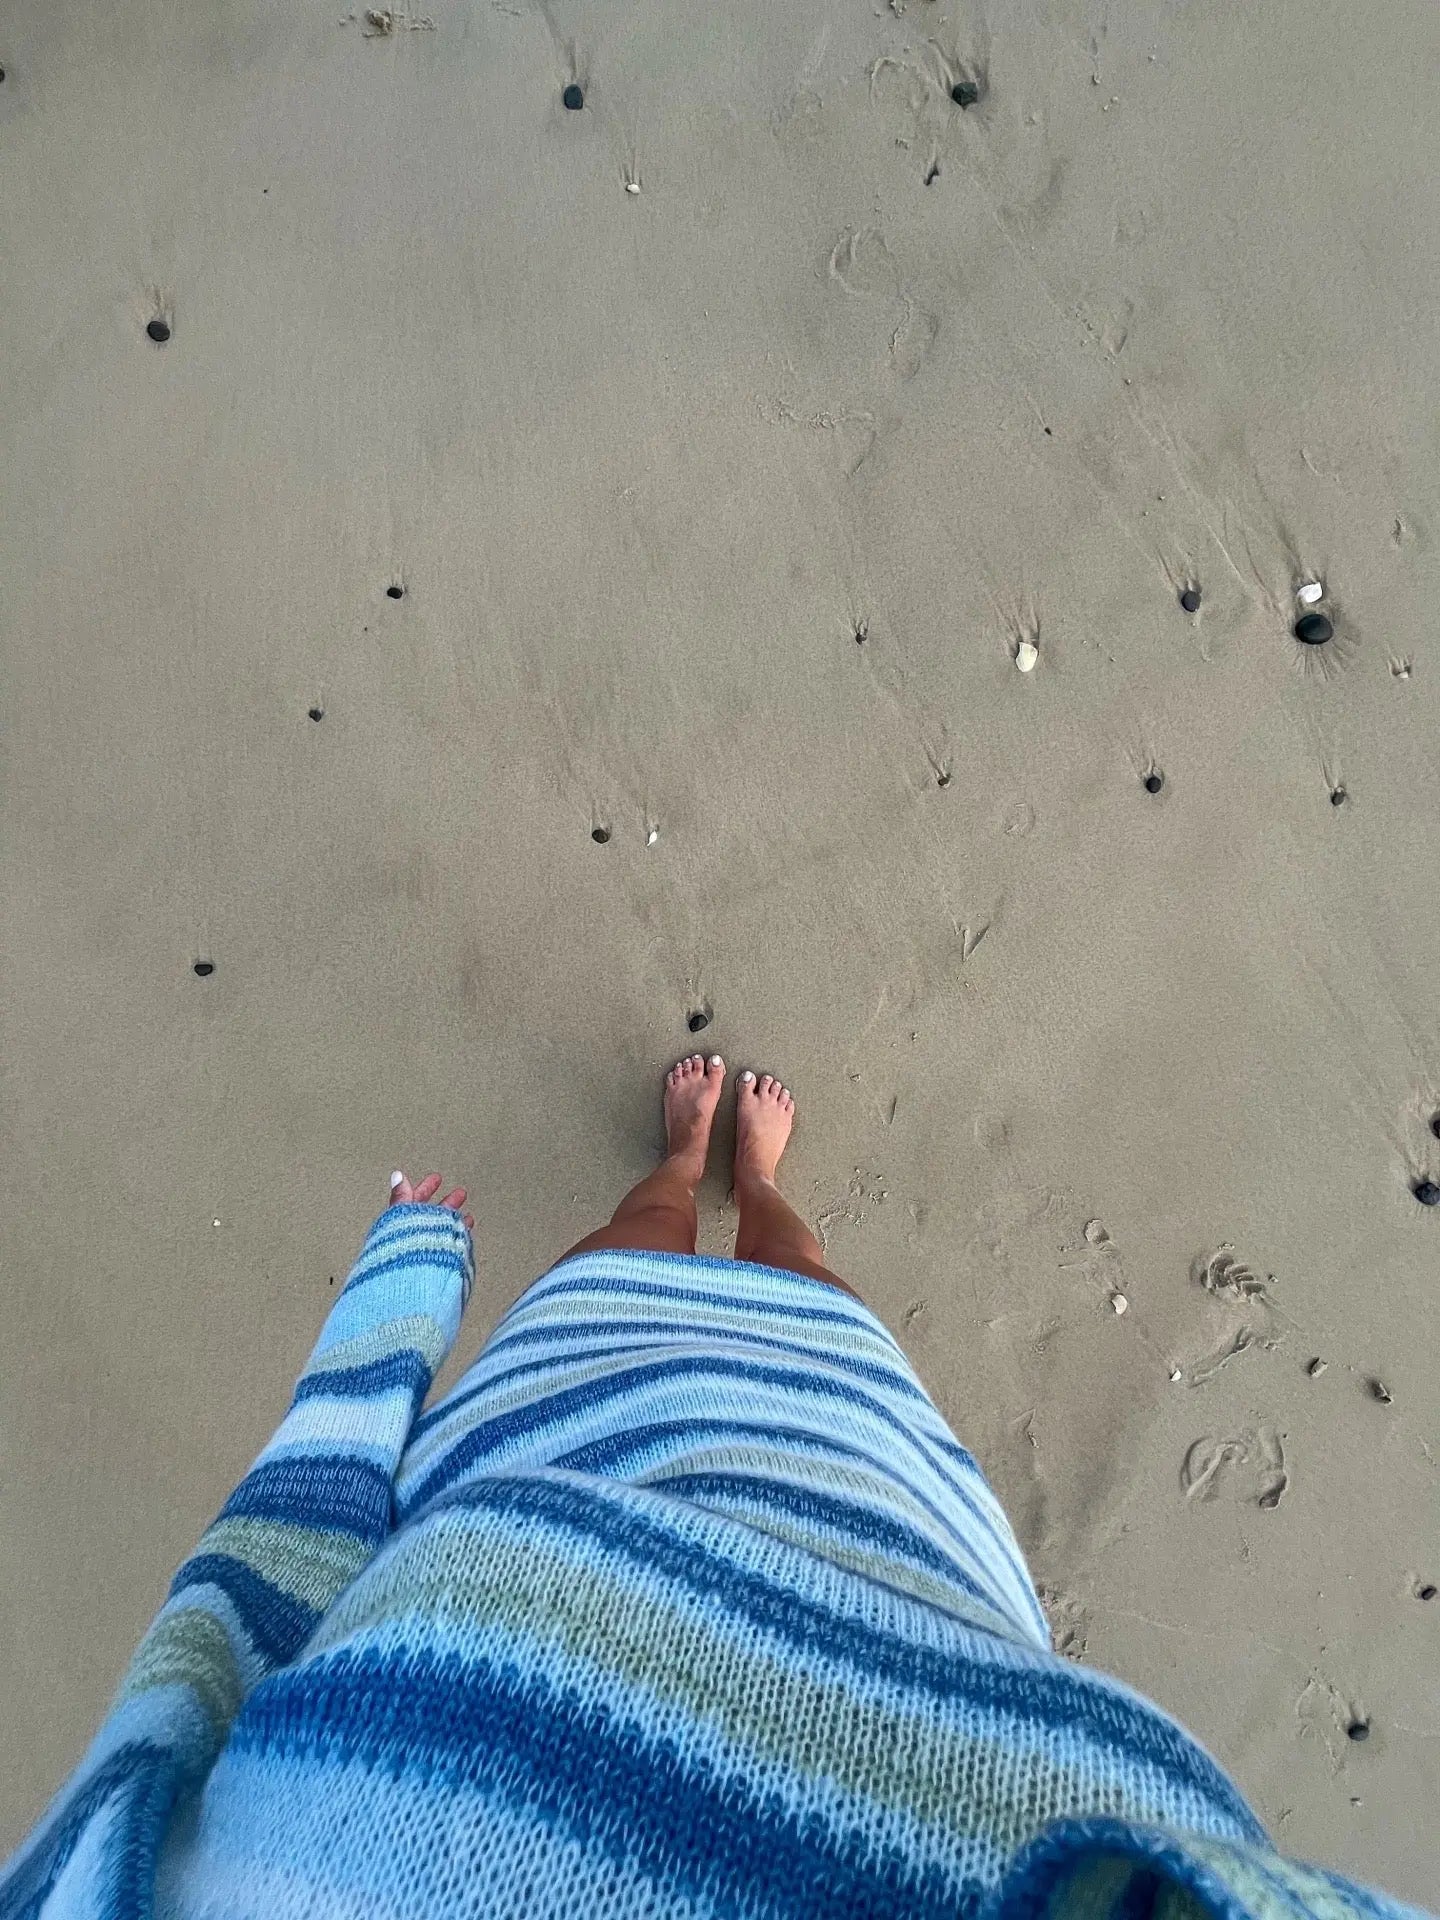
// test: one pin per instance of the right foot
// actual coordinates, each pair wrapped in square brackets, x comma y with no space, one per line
[764,1115]
[692,1093]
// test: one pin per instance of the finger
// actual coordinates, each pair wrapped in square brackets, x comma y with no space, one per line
[428,1188]
[401,1191]
[470,1221]
[456,1199]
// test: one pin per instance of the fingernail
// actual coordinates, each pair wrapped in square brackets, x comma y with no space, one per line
[396,1180]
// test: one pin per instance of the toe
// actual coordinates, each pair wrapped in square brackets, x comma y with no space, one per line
[766,1084]
[715,1067]
[746,1081]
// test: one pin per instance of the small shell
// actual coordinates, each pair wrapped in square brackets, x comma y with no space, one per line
[1310,594]
[1026,654]
[632,186]
[1118,1302]
[1175,1373]
[652,836]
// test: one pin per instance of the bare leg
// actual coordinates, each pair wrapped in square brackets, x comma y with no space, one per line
[771,1232]
[658,1214]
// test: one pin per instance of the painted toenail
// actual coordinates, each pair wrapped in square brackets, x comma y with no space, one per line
[748,1077]
[396,1180]
[715,1060]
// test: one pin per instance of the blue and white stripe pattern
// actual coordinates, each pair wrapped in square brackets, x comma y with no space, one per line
[684,1602]
[763,1395]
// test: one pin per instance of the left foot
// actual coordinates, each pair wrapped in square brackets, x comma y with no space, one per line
[692,1093]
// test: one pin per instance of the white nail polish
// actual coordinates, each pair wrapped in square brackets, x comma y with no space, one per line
[715,1060]
[396,1180]
[747,1076]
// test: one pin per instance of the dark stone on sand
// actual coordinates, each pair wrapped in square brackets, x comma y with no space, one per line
[964,93]
[573,98]
[395,593]
[1337,796]
[1435,1126]
[317,713]
[1427,1592]
[600,835]
[1427,1193]
[1190,599]
[1358,1730]
[698,1022]
[1314,629]
[204,968]
[1154,780]
[158,331]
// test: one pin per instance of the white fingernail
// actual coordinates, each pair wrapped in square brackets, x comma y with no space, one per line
[396,1180]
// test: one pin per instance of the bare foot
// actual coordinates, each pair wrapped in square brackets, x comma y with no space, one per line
[764,1115]
[692,1093]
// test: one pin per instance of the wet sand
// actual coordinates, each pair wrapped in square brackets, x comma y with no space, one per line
[720,512]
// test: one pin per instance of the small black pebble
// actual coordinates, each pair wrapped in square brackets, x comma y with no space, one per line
[204,968]
[1313,629]
[600,835]
[1190,599]
[158,332]
[573,98]
[942,779]
[1427,1592]
[1358,1730]
[1435,1126]
[317,713]
[1154,781]
[395,593]
[964,93]
[2,73]
[1427,1193]
[1337,796]
[698,1022]
[1379,1391]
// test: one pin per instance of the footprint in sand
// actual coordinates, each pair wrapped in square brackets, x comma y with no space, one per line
[861,264]
[1250,1466]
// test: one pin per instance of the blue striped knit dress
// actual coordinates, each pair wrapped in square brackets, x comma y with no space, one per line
[684,1602]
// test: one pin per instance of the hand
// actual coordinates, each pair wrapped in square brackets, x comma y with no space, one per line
[401,1191]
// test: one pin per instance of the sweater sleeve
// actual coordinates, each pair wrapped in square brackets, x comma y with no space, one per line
[312,1511]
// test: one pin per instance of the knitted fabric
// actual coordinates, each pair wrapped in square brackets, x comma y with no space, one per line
[684,1602]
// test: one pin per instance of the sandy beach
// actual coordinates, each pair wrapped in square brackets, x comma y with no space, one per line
[487,584]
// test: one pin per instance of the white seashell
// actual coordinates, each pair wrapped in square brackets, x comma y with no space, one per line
[1310,593]
[1119,1302]
[632,186]
[1026,654]
[652,836]
[1174,1373]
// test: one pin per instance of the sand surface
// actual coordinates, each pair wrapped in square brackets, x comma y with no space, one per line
[721,509]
